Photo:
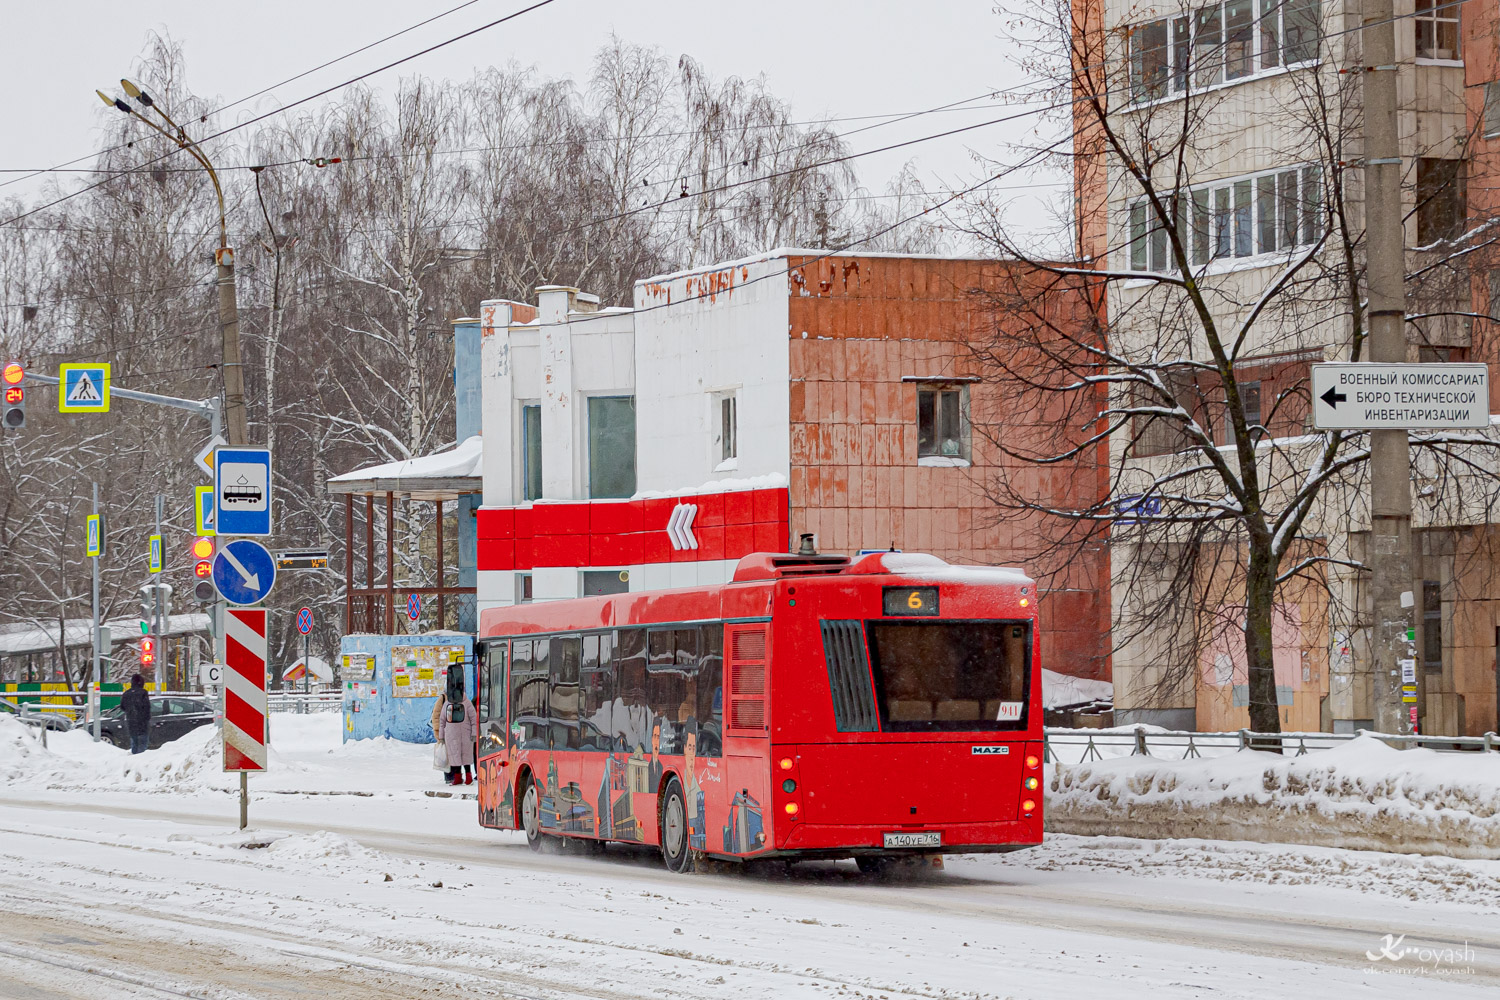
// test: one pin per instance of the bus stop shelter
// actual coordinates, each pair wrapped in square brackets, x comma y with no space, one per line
[449,477]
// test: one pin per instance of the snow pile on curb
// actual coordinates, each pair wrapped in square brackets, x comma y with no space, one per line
[305,755]
[1362,795]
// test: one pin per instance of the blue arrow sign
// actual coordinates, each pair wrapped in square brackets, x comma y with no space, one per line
[244,571]
[242,491]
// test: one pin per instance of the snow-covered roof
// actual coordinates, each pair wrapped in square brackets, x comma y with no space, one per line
[321,671]
[442,476]
[24,639]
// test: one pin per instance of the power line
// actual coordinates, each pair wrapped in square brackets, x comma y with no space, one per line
[88,156]
[891,118]
[311,97]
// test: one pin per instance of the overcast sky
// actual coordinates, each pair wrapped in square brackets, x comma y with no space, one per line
[866,58]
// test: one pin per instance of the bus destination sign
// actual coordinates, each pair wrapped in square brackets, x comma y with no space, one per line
[911,602]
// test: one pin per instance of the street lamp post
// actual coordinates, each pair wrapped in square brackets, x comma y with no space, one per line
[237,425]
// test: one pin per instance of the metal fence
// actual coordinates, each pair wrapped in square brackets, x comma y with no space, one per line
[1074,746]
[304,704]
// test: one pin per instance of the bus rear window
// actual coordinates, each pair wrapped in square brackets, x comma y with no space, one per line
[946,675]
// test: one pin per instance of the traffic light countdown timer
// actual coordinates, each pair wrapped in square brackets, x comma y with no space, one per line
[203,569]
[13,411]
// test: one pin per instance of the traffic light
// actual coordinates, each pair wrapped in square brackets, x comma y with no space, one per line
[13,412]
[148,650]
[203,551]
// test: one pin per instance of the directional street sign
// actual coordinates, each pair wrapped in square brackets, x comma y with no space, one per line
[84,388]
[155,555]
[304,620]
[1364,395]
[203,509]
[95,541]
[244,571]
[205,457]
[242,491]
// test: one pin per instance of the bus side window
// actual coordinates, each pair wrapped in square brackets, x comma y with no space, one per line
[567,651]
[632,712]
[710,708]
[528,695]
[597,690]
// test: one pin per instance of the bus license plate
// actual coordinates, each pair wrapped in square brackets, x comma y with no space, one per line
[926,838]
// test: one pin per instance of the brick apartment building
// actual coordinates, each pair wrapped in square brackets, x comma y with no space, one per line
[735,407]
[1250,191]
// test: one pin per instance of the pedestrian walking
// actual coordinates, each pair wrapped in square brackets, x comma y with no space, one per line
[136,705]
[457,728]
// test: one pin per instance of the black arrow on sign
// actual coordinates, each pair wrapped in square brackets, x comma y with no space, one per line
[1333,398]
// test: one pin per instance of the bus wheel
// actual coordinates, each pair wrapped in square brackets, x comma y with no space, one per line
[531,816]
[874,864]
[674,830]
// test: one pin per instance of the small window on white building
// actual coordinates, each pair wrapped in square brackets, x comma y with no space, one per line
[611,446]
[523,588]
[599,582]
[726,427]
[1436,25]
[531,452]
[942,422]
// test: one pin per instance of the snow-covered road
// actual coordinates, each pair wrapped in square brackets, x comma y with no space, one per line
[124,876]
[157,891]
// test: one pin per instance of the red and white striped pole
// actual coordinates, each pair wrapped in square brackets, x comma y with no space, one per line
[244,697]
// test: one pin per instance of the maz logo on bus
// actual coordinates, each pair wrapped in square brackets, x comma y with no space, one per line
[988,751]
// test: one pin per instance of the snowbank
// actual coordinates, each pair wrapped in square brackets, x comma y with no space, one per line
[1362,795]
[305,755]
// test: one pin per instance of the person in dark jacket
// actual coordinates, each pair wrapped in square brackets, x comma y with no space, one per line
[136,704]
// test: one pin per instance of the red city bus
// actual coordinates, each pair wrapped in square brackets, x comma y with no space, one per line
[813,707]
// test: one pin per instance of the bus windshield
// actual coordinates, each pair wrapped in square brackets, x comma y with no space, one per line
[950,675]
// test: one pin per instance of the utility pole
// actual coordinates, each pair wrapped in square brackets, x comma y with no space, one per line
[229,321]
[1389,554]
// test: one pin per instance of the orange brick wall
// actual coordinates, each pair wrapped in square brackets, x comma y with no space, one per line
[857,326]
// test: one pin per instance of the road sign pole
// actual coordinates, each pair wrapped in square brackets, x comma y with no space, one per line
[94,673]
[158,626]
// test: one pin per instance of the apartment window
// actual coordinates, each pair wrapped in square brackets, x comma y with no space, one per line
[531,452]
[726,430]
[1432,625]
[1492,109]
[1221,42]
[1158,435]
[1440,199]
[1436,25]
[1240,217]
[1250,400]
[942,423]
[611,445]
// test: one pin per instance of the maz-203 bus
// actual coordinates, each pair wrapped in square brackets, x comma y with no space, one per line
[813,707]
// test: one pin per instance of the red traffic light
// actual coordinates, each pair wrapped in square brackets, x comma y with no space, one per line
[203,569]
[203,548]
[148,651]
[13,373]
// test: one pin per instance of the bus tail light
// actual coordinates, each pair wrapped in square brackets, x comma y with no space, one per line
[788,786]
[1028,807]
[791,808]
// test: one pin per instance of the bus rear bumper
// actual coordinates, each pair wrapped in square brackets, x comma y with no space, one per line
[957,838]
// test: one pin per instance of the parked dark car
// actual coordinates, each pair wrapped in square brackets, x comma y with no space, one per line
[172,716]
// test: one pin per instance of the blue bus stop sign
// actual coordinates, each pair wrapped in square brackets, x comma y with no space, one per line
[244,571]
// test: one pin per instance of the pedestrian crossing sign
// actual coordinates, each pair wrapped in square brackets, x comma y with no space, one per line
[154,561]
[83,388]
[95,541]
